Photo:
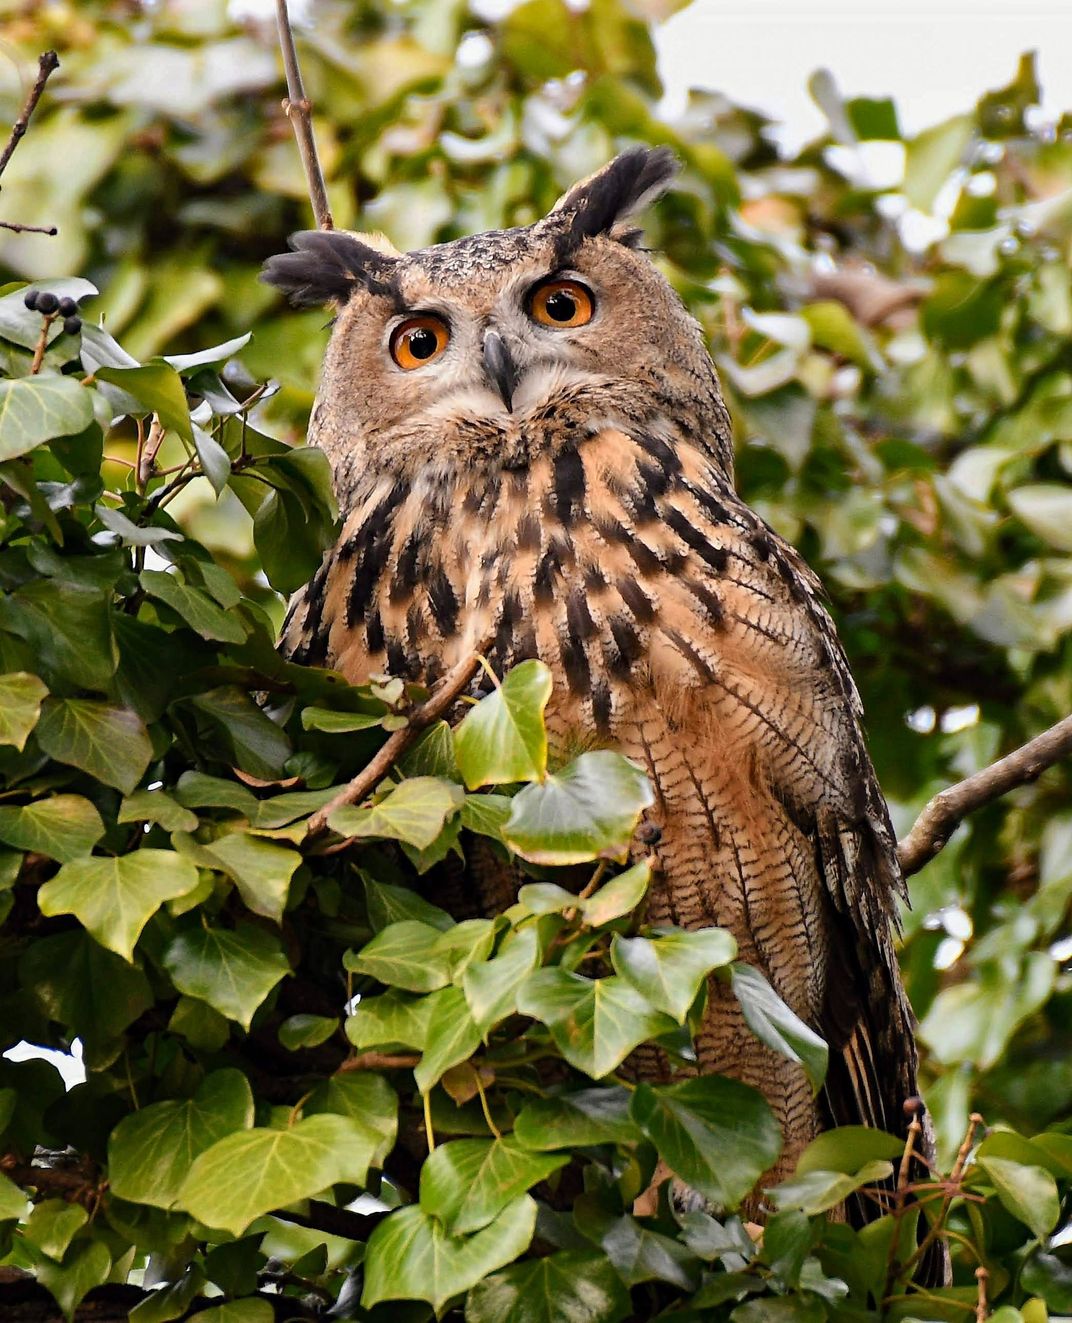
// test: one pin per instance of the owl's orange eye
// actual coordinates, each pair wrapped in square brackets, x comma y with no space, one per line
[562,303]
[418,340]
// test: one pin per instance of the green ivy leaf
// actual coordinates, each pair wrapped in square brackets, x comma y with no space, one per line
[453,1036]
[410,1256]
[339,723]
[36,409]
[159,388]
[115,898]
[80,984]
[21,696]
[236,1311]
[197,608]
[53,1224]
[467,1183]
[156,806]
[70,627]
[86,1265]
[1028,1193]
[773,1023]
[588,809]
[405,955]
[818,1191]
[262,870]
[110,743]
[718,1135]
[151,1151]
[252,1172]
[491,986]
[214,356]
[618,897]
[395,1018]
[413,812]
[232,969]
[65,827]
[298,1031]
[848,1148]
[12,1200]
[368,1102]
[572,1286]
[503,738]
[388,904]
[595,1023]
[577,1120]
[669,968]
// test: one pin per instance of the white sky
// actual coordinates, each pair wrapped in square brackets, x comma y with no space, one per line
[934,57]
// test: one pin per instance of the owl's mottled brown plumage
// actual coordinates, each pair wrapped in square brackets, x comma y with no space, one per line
[584,513]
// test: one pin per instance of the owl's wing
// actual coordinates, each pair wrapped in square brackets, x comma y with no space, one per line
[747,666]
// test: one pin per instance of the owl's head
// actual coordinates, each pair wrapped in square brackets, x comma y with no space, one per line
[474,350]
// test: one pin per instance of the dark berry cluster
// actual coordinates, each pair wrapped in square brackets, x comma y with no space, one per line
[46,303]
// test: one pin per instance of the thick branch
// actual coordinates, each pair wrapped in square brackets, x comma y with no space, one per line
[948,808]
[299,112]
[46,65]
[442,700]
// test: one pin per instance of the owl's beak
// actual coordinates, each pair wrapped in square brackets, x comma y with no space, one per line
[500,367]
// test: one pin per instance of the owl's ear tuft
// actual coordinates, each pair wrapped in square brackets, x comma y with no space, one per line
[603,200]
[326,266]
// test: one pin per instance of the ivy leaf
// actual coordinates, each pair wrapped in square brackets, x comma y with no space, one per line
[405,955]
[235,1311]
[262,870]
[503,737]
[214,356]
[1028,1193]
[387,904]
[80,984]
[718,1135]
[151,1151]
[87,1265]
[572,1286]
[848,1148]
[339,723]
[53,1224]
[413,812]
[491,986]
[134,535]
[453,1036]
[110,743]
[156,806]
[669,968]
[577,1120]
[618,897]
[70,627]
[773,1023]
[588,809]
[395,1018]
[298,1031]
[368,1102]
[65,827]
[12,1200]
[410,1256]
[468,1182]
[595,1023]
[231,969]
[115,898]
[818,1191]
[159,388]
[201,613]
[21,696]
[36,409]
[252,1172]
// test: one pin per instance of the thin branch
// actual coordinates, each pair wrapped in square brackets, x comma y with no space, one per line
[51,230]
[444,697]
[948,808]
[380,1061]
[47,64]
[298,110]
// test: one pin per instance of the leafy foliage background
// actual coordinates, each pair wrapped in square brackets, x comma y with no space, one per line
[904,414]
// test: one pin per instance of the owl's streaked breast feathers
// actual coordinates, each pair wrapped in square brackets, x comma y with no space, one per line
[587,516]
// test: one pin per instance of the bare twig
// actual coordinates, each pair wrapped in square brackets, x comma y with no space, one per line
[941,817]
[147,455]
[46,65]
[380,1061]
[28,229]
[41,346]
[442,700]
[299,111]
[982,1310]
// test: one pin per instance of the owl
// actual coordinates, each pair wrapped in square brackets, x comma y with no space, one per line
[533,457]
